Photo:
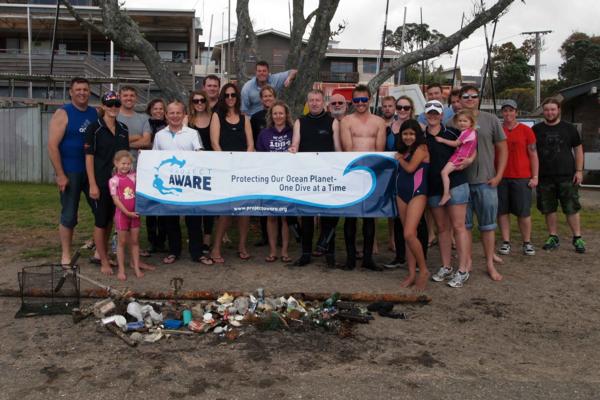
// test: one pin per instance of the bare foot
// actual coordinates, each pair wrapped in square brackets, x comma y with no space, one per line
[444,199]
[408,281]
[106,269]
[422,279]
[121,276]
[147,267]
[494,274]
[138,273]
[497,259]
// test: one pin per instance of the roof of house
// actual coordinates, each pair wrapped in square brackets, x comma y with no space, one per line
[579,89]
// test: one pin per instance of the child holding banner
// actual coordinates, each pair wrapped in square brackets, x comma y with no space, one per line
[277,136]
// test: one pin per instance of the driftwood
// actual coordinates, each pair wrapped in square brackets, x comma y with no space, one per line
[360,297]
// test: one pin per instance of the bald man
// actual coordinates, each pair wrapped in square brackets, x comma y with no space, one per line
[338,106]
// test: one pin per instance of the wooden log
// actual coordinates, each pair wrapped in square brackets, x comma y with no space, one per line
[359,297]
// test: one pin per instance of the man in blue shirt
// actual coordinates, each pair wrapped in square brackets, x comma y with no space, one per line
[66,134]
[251,103]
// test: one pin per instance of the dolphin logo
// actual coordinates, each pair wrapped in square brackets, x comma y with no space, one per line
[172,161]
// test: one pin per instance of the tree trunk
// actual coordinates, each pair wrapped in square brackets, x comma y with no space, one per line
[124,32]
[308,62]
[440,47]
[245,41]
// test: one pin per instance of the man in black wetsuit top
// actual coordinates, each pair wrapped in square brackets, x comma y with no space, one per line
[317,131]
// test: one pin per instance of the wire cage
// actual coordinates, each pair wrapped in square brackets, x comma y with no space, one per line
[48,289]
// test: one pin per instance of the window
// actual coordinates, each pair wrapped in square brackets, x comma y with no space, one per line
[342,66]
[369,66]
[280,57]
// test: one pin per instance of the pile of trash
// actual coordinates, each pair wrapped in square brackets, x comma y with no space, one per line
[136,321]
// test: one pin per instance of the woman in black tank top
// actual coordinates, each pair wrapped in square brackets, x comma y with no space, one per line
[230,131]
[199,116]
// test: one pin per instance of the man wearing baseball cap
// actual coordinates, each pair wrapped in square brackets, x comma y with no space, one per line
[519,178]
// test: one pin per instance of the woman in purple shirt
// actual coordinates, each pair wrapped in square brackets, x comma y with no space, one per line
[277,136]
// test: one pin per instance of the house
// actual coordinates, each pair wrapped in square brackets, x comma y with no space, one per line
[580,105]
[82,52]
[341,67]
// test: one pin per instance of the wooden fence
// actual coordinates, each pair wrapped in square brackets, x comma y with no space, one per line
[23,145]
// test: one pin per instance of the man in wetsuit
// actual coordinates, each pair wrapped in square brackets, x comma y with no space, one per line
[361,131]
[316,131]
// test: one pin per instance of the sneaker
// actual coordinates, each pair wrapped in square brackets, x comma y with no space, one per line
[579,245]
[551,243]
[442,274]
[504,249]
[528,249]
[459,279]
[395,263]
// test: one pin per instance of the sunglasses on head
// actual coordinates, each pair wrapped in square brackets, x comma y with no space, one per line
[436,105]
[360,99]
[112,103]
[405,108]
[230,95]
[199,101]
[470,96]
[337,103]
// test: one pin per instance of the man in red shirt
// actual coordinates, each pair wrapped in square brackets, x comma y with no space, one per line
[518,180]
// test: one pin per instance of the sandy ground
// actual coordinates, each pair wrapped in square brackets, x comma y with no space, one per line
[534,335]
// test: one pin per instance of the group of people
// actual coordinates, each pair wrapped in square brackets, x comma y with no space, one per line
[452,162]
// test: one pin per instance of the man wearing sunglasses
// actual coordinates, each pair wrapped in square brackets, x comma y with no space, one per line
[434,92]
[338,106]
[361,131]
[251,103]
[484,175]
[65,150]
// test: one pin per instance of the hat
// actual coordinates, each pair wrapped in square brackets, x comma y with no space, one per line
[434,105]
[509,103]
[110,95]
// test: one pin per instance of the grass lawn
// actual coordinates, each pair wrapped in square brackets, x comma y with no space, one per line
[32,211]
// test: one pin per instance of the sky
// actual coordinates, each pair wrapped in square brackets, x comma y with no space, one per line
[365,20]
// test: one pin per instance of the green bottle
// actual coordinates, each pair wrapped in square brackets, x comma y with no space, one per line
[330,302]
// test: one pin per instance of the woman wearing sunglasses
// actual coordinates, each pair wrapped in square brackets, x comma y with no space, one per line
[230,131]
[200,114]
[103,139]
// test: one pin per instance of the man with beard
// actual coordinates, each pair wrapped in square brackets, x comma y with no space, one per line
[561,172]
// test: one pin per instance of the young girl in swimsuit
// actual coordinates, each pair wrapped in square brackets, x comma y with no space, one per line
[411,189]
[466,146]
[127,221]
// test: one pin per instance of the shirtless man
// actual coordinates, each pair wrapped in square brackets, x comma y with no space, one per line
[361,131]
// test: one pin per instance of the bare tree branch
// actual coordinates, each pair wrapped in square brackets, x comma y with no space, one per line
[125,33]
[440,47]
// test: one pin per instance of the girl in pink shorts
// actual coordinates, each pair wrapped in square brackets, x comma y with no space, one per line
[466,147]
[127,221]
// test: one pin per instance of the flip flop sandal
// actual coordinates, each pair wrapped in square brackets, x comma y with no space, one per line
[270,259]
[145,253]
[218,260]
[170,259]
[286,259]
[243,256]
[206,260]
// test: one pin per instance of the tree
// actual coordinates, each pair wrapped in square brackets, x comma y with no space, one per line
[121,29]
[525,97]
[582,59]
[415,35]
[511,68]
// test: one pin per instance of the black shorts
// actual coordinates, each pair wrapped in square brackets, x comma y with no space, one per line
[514,197]
[103,208]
